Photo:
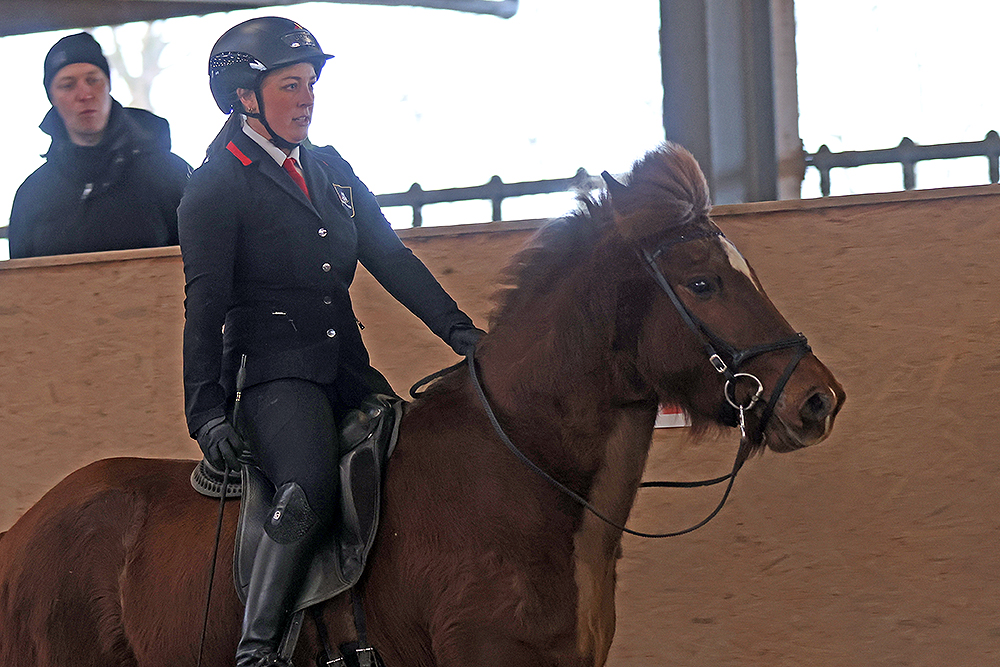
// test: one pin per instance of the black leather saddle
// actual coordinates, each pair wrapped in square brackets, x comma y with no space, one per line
[367,439]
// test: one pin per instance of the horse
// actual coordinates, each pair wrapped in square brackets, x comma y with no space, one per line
[633,300]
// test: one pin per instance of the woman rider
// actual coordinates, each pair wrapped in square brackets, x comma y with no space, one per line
[271,232]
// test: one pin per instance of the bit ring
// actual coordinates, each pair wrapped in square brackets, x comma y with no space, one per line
[731,396]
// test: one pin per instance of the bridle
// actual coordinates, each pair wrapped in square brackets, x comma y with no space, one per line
[712,343]
[718,351]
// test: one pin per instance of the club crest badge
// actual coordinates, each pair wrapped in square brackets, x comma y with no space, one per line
[344,192]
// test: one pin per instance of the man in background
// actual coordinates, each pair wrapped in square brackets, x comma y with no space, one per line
[109,181]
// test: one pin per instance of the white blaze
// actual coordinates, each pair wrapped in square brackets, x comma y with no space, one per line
[737,262]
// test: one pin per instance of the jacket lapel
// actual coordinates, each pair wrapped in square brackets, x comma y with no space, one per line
[273,171]
[319,185]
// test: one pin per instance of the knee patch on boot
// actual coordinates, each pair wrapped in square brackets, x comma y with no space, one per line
[291,517]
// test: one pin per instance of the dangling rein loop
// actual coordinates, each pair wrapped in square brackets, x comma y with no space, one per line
[577,498]
[414,390]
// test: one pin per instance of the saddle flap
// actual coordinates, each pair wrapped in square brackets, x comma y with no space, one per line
[339,563]
[368,437]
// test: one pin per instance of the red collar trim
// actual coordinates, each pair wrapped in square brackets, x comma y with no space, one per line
[231,147]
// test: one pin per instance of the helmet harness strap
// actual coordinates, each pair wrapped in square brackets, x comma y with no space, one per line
[261,115]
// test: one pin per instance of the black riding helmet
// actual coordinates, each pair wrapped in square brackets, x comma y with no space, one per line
[247,52]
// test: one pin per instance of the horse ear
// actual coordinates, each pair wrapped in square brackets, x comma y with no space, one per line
[619,196]
[615,187]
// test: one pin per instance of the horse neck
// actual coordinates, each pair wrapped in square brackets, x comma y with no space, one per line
[545,364]
[553,378]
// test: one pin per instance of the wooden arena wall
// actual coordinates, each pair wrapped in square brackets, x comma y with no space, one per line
[878,547]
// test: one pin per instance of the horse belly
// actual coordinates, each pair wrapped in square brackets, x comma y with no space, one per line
[164,588]
[443,600]
[475,610]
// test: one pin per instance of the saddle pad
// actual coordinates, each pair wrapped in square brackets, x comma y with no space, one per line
[367,440]
[207,480]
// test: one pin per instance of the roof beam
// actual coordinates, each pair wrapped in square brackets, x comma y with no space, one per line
[18,17]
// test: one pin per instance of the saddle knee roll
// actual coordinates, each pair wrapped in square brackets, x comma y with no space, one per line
[291,517]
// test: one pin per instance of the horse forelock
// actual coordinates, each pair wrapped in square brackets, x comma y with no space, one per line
[665,189]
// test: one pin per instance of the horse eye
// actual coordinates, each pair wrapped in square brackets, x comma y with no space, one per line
[701,287]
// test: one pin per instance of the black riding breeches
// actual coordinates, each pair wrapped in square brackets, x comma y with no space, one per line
[291,430]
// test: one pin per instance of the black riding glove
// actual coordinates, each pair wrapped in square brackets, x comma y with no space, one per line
[464,340]
[220,443]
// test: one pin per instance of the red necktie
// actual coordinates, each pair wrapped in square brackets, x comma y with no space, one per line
[289,166]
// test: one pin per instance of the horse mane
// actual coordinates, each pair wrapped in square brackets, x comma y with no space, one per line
[663,191]
[548,257]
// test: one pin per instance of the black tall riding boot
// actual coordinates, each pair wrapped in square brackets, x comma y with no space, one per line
[278,572]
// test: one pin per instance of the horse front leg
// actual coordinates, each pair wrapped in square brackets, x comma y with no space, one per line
[509,640]
[489,649]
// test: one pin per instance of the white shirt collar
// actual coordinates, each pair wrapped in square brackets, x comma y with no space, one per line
[276,153]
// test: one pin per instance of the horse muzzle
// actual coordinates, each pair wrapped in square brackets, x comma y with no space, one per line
[805,411]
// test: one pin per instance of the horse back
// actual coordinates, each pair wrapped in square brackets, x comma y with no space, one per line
[83,579]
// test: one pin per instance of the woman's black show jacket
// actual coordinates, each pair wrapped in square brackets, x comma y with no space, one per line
[275,268]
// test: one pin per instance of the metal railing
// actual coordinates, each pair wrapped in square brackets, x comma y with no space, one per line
[907,154]
[494,190]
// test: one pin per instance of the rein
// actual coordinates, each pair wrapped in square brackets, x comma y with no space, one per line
[710,341]
[577,498]
[241,376]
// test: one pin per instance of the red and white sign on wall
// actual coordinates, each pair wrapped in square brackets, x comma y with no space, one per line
[671,416]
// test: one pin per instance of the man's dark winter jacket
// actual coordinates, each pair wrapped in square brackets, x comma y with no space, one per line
[122,193]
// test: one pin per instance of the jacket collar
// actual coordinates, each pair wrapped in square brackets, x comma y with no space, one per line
[125,127]
[113,140]
[270,168]
[276,153]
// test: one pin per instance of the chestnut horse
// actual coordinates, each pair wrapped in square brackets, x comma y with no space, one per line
[632,301]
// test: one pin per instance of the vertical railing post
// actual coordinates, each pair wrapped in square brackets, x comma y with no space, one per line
[907,159]
[822,163]
[418,204]
[495,185]
[992,149]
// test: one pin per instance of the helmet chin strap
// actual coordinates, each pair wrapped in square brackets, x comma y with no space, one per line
[261,115]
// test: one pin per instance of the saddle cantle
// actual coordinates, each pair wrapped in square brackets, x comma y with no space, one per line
[367,437]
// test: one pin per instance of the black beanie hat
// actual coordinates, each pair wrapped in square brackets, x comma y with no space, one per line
[78,48]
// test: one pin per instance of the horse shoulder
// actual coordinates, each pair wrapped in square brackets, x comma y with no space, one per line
[596,545]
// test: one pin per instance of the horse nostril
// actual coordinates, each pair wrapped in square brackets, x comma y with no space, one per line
[816,408]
